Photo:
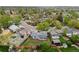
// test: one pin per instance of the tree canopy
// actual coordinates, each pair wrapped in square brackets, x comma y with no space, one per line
[75,38]
[4,21]
[44,25]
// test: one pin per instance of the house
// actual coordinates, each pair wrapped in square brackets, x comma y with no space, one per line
[34,35]
[54,30]
[18,38]
[55,35]
[27,27]
[76,32]
[42,35]
[69,32]
[13,28]
[55,40]
[23,34]
[39,35]
[14,39]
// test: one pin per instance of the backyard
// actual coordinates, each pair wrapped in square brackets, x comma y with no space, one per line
[34,42]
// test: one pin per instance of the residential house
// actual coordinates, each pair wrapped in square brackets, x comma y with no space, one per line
[54,30]
[55,40]
[13,28]
[39,35]
[18,38]
[71,32]
[75,32]
[55,34]
[28,28]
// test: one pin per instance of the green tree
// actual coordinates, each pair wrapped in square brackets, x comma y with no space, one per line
[58,24]
[77,24]
[43,26]
[22,11]
[44,47]
[75,38]
[69,43]
[62,39]
[71,23]
[64,32]
[74,14]
[60,17]
[4,21]
[2,11]
[49,21]
[66,19]
[16,19]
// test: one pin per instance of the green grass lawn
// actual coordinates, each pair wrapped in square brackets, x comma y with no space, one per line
[32,42]
[52,49]
[4,48]
[69,49]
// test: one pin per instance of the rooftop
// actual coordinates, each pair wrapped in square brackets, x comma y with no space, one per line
[13,28]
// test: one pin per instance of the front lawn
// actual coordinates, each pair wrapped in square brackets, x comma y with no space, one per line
[4,48]
[69,49]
